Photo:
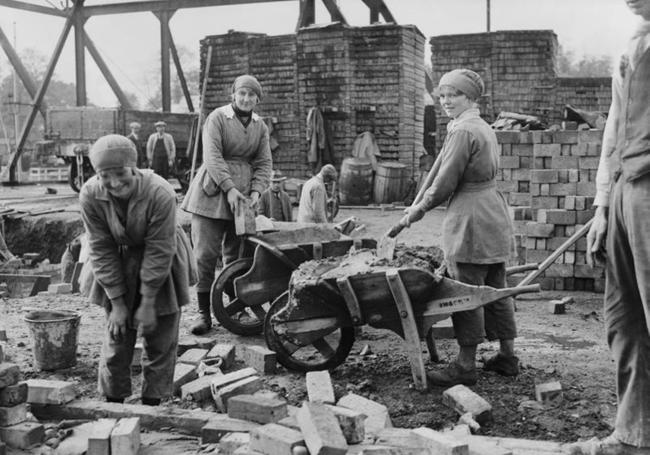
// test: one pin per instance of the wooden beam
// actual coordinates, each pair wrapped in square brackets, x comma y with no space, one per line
[162,5]
[307,14]
[106,72]
[181,75]
[33,8]
[80,59]
[381,7]
[13,159]
[21,71]
[335,12]
[165,76]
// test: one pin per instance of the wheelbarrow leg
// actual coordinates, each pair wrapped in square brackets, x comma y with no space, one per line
[411,334]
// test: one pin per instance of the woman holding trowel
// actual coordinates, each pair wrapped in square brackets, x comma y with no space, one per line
[477,230]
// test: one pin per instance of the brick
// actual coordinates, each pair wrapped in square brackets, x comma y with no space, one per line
[463,400]
[534,229]
[536,256]
[590,136]
[321,430]
[521,174]
[548,392]
[544,189]
[225,379]
[257,408]
[125,437]
[258,357]
[519,199]
[544,202]
[274,439]
[546,150]
[565,137]
[570,202]
[60,288]
[560,216]
[9,374]
[556,307]
[221,395]
[588,162]
[198,389]
[509,162]
[22,435]
[563,175]
[439,443]
[183,373]
[13,415]
[233,441]
[186,343]
[507,137]
[193,356]
[507,187]
[544,176]
[569,257]
[375,449]
[319,387]
[563,189]
[378,417]
[398,437]
[352,423]
[44,391]
[564,162]
[226,352]
[291,422]
[522,150]
[219,426]
[99,440]
[13,395]
[585,189]
[560,271]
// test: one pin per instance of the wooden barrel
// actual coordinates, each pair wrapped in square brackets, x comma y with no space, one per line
[355,182]
[390,182]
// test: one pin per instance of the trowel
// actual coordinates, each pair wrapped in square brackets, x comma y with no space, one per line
[386,244]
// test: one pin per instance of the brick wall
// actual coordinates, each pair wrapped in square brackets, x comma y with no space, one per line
[363,78]
[549,180]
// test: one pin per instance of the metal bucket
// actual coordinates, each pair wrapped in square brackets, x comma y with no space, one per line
[54,336]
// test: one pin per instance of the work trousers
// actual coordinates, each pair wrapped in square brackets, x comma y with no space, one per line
[627,306]
[213,240]
[496,320]
[158,360]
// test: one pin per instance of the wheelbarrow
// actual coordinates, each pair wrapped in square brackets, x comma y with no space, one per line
[312,326]
[245,288]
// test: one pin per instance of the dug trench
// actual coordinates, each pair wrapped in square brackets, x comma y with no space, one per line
[569,348]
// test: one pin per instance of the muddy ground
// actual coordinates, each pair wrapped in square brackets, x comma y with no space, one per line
[569,348]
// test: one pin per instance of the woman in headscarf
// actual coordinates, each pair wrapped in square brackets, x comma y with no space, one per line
[236,167]
[477,230]
[140,269]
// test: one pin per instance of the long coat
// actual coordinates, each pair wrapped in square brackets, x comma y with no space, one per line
[234,156]
[477,227]
[140,251]
[170,146]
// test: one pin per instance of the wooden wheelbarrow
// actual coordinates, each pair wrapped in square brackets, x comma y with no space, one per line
[311,327]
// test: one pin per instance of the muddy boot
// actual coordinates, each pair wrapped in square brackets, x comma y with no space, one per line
[205,321]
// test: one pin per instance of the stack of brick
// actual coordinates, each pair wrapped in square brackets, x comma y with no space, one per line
[362,78]
[15,428]
[560,171]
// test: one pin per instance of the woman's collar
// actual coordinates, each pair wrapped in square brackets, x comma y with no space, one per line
[472,112]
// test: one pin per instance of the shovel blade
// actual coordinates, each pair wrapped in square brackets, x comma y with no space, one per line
[386,247]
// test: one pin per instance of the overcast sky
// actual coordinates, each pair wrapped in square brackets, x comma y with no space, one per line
[130,43]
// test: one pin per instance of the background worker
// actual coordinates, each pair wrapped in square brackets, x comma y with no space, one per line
[134,136]
[236,166]
[274,202]
[477,230]
[621,227]
[141,267]
[313,199]
[161,151]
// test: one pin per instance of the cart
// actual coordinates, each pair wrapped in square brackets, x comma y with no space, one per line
[245,288]
[313,327]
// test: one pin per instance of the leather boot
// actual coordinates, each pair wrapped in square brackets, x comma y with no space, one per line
[205,321]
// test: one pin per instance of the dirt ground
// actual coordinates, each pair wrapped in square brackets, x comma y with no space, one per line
[569,348]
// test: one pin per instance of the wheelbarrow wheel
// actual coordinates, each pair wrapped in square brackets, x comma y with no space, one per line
[325,348]
[231,312]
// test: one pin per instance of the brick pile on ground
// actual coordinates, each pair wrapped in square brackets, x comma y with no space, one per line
[549,180]
[362,78]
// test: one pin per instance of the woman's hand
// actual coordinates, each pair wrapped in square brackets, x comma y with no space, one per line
[145,316]
[255,199]
[117,319]
[411,215]
[233,197]
[596,237]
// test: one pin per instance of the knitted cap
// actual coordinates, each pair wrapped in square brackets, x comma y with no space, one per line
[248,81]
[112,150]
[329,171]
[465,81]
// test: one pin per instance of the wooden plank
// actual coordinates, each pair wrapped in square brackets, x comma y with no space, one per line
[411,334]
[351,300]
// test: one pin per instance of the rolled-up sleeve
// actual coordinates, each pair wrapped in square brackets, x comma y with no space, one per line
[213,158]
[262,163]
[603,175]
[103,249]
[454,158]
[159,242]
